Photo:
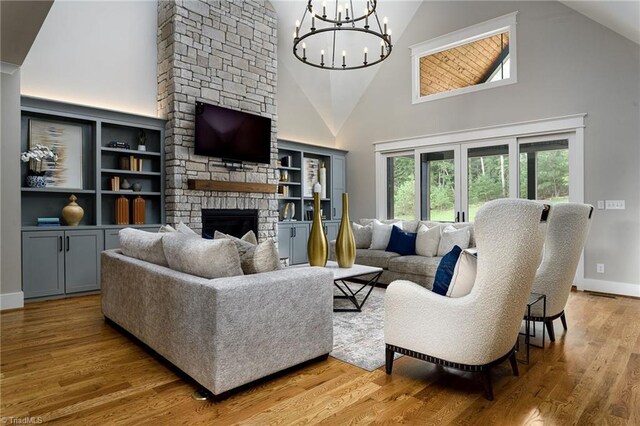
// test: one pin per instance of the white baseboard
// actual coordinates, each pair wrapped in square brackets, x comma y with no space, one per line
[611,287]
[11,300]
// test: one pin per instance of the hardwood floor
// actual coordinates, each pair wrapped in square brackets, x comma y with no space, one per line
[62,363]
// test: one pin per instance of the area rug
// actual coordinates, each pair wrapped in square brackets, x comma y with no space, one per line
[358,337]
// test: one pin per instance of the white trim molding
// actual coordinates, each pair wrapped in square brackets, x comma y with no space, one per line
[610,287]
[11,300]
[506,23]
[7,68]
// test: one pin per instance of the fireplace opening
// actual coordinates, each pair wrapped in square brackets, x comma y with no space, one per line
[229,221]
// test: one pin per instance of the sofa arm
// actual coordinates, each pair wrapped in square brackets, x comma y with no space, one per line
[268,322]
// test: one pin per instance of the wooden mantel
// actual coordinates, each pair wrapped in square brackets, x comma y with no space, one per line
[225,186]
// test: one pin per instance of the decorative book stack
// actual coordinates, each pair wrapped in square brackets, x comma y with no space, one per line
[48,221]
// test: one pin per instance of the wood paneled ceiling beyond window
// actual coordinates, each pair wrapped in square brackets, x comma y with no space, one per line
[461,66]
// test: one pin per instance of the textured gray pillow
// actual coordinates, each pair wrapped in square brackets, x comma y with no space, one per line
[362,235]
[254,258]
[450,236]
[201,257]
[166,228]
[142,245]
[184,229]
[250,237]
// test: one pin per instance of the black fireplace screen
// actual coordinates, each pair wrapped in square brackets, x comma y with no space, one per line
[229,221]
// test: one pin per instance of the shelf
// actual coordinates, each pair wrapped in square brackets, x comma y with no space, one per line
[129,172]
[289,198]
[131,151]
[321,199]
[289,183]
[150,193]
[59,190]
[294,169]
[84,227]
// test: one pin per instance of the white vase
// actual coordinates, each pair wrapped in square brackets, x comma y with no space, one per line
[323,182]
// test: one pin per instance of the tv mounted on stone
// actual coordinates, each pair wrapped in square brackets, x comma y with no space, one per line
[232,135]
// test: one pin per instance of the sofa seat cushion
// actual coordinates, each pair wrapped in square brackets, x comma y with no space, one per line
[378,258]
[417,265]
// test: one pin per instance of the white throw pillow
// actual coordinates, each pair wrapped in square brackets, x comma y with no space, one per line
[450,236]
[464,275]
[381,234]
[184,229]
[427,240]
[362,235]
[201,257]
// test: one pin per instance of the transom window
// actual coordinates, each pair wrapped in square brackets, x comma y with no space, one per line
[471,59]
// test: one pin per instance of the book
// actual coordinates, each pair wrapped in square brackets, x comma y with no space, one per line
[48,225]
[48,220]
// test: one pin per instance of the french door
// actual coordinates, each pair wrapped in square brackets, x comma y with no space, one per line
[455,180]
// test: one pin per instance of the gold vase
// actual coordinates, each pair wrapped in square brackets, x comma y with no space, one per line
[345,243]
[317,245]
[72,213]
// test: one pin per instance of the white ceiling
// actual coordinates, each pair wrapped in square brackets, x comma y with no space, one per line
[334,94]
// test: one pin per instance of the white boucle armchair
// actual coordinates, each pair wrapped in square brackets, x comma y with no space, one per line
[479,330]
[568,225]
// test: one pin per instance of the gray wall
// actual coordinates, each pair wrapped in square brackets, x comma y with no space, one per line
[10,276]
[567,64]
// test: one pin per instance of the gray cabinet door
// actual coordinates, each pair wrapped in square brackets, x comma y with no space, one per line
[82,260]
[331,229]
[299,244]
[42,263]
[111,239]
[284,240]
[339,180]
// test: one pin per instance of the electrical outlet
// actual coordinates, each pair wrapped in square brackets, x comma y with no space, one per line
[600,204]
[614,204]
[600,268]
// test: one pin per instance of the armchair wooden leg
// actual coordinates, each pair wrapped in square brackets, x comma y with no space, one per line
[486,383]
[514,363]
[389,360]
[549,325]
[564,321]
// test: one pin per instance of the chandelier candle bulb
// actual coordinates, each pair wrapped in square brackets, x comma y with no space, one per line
[298,29]
[381,49]
[304,51]
[344,58]
[366,17]
[339,13]
[389,36]
[346,11]
[365,55]
[385,21]
[313,23]
[324,9]
[322,57]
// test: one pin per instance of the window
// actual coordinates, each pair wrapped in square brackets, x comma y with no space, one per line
[544,171]
[471,59]
[401,187]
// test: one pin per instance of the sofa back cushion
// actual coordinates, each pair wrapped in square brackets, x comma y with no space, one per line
[201,257]
[143,245]
[254,258]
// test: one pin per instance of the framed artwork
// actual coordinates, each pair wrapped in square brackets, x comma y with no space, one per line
[66,141]
[311,175]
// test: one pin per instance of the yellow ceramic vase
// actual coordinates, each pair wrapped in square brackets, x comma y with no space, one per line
[317,249]
[345,243]
[72,213]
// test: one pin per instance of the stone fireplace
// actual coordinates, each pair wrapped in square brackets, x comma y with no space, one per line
[221,53]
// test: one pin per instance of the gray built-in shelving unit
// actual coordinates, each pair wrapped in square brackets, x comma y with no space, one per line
[294,234]
[66,259]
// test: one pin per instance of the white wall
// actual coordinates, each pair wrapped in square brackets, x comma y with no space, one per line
[567,64]
[97,53]
[10,259]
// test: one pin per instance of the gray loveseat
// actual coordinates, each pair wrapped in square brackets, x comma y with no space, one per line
[419,269]
[223,332]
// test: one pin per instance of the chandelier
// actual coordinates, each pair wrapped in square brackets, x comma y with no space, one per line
[341,28]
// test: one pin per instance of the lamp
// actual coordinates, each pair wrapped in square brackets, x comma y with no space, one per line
[334,28]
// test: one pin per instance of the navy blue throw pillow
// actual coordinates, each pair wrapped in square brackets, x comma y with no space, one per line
[445,271]
[402,242]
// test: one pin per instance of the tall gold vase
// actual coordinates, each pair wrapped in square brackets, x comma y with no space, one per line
[345,243]
[317,248]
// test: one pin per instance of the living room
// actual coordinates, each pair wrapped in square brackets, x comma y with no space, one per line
[134,87]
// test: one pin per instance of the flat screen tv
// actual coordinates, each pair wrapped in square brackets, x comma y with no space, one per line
[232,135]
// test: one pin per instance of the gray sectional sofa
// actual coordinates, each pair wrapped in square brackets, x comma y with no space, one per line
[419,269]
[222,332]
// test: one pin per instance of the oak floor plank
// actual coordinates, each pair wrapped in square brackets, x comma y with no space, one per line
[59,361]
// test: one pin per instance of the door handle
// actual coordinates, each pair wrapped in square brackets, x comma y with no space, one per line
[334,212]
[295,232]
[60,242]
[463,216]
[458,217]
[68,244]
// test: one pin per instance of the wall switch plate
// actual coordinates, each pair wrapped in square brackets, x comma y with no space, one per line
[614,204]
[600,268]
[600,204]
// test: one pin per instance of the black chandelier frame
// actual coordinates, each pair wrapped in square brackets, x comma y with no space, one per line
[345,24]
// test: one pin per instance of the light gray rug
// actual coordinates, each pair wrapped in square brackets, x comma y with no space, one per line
[358,337]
